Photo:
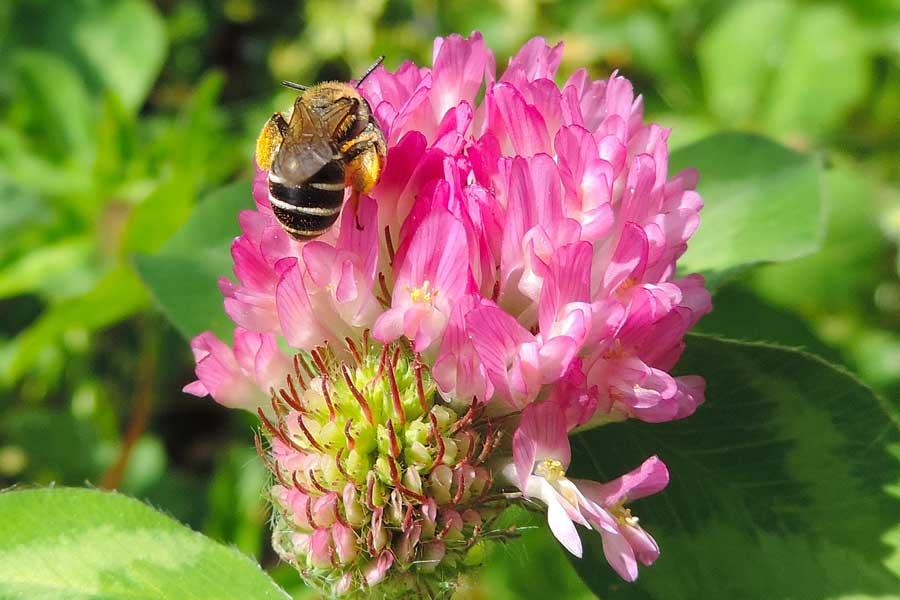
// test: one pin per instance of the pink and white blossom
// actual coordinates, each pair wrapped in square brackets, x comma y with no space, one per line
[523,248]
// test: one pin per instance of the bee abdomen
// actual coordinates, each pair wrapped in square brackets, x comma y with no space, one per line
[309,209]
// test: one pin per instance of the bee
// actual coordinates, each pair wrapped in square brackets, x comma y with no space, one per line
[327,142]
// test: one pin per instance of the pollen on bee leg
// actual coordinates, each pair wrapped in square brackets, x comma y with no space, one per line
[268,142]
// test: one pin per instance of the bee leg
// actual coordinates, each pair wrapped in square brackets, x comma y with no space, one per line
[273,132]
[364,156]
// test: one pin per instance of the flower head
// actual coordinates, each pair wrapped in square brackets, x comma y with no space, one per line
[517,259]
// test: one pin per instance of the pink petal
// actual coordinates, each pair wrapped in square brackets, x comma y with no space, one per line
[649,478]
[619,555]
[541,434]
[561,525]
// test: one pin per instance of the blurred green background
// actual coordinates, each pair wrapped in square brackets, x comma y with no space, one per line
[117,115]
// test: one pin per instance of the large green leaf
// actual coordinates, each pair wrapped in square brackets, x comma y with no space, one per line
[762,203]
[183,275]
[116,45]
[806,97]
[56,102]
[773,62]
[852,261]
[117,295]
[784,484]
[89,545]
[734,56]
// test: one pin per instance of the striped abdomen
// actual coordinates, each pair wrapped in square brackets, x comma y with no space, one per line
[307,210]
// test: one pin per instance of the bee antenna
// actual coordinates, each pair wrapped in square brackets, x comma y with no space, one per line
[293,85]
[369,70]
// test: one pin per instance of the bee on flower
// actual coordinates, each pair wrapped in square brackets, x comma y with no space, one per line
[511,277]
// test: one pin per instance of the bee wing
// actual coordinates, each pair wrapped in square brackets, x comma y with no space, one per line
[334,116]
[308,143]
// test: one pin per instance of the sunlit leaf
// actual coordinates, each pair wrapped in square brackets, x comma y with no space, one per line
[55,270]
[780,483]
[87,545]
[818,82]
[117,295]
[738,55]
[117,45]
[762,203]
[848,266]
[58,106]
[238,513]
[183,276]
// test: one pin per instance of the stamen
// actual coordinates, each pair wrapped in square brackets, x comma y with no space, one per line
[309,515]
[440,442]
[395,393]
[384,290]
[287,400]
[354,351]
[294,401]
[312,479]
[420,386]
[296,361]
[370,491]
[390,243]
[319,361]
[339,518]
[466,418]
[351,443]
[306,367]
[487,486]
[299,485]
[340,465]
[265,458]
[277,407]
[327,397]
[444,531]
[382,360]
[370,546]
[470,447]
[461,487]
[277,432]
[488,444]
[312,441]
[408,492]
[395,473]
[360,399]
[395,445]
[407,518]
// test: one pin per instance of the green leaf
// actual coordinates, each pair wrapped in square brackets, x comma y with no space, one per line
[509,571]
[57,104]
[57,447]
[735,56]
[183,276]
[775,62]
[117,45]
[784,484]
[58,268]
[116,296]
[848,267]
[237,510]
[823,74]
[762,203]
[90,545]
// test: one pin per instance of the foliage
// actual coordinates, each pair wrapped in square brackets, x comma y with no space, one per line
[126,130]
